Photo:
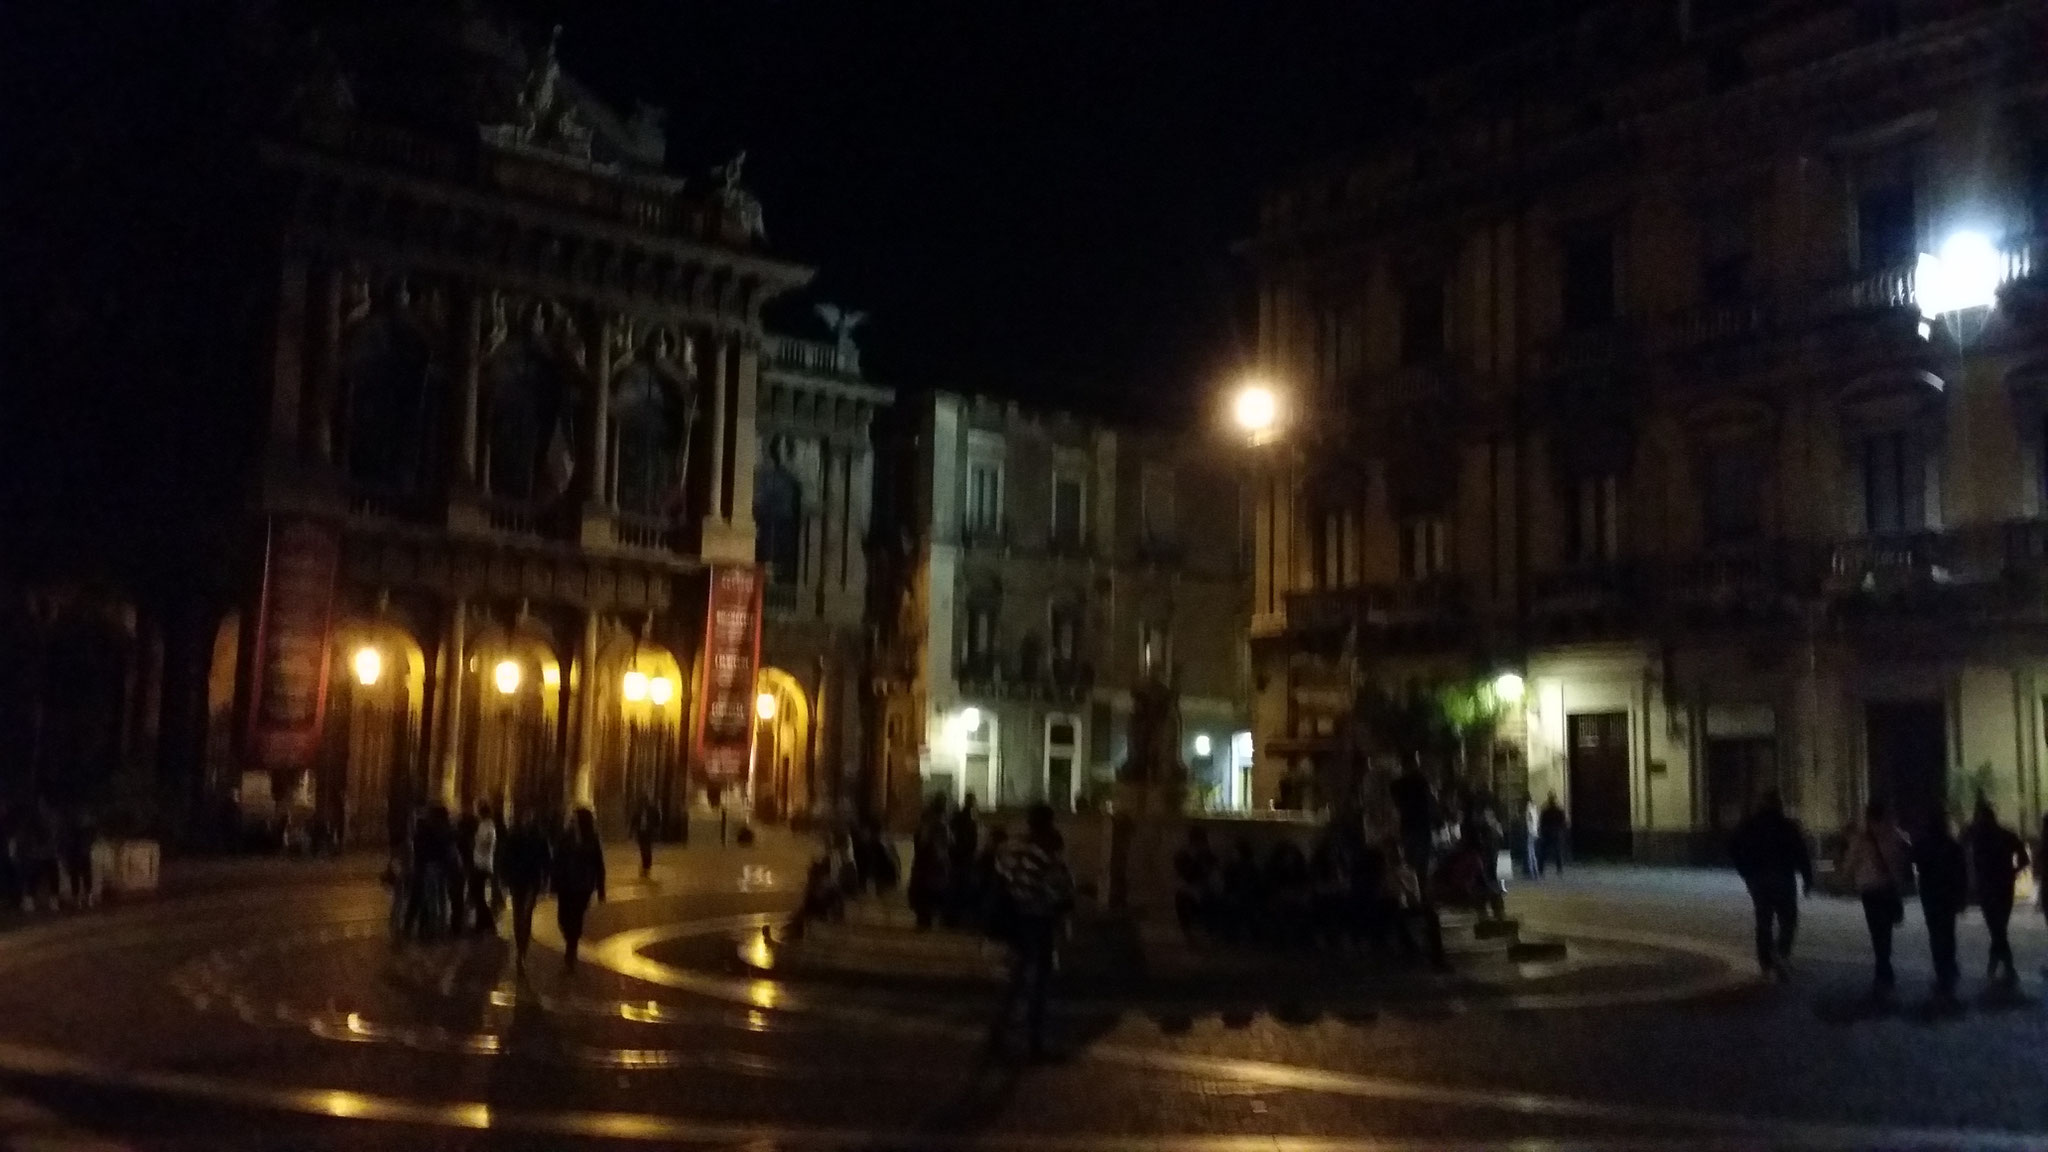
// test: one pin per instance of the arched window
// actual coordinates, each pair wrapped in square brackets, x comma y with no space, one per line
[646,436]
[529,437]
[778,523]
[384,365]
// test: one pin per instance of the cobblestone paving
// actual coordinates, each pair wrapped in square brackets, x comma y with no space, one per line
[283,1016]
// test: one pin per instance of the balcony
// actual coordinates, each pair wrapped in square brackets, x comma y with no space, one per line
[649,533]
[814,357]
[1436,605]
[980,534]
[994,677]
[388,504]
[780,597]
[1733,583]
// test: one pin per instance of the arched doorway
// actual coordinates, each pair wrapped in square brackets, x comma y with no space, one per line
[514,688]
[782,746]
[640,701]
[369,770]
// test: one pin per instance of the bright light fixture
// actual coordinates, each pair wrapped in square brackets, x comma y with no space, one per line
[1508,687]
[507,676]
[970,718]
[661,689]
[1202,744]
[551,676]
[1256,409]
[764,705]
[369,665]
[635,686]
[1965,274]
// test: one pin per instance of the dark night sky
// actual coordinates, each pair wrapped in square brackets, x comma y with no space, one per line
[1036,200]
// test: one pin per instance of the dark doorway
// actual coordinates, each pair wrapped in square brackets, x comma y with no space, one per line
[1739,768]
[1906,746]
[1599,784]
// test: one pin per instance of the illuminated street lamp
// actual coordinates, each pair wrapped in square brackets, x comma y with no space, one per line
[970,718]
[635,686]
[369,666]
[1965,274]
[507,676]
[764,705]
[1202,744]
[1508,687]
[660,690]
[1256,409]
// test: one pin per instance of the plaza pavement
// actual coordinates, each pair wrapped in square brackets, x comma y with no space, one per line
[273,1012]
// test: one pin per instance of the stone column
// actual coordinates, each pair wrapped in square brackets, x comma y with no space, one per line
[326,365]
[596,466]
[716,499]
[287,385]
[582,704]
[745,370]
[454,674]
[467,383]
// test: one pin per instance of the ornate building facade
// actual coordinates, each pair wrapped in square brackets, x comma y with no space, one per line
[482,388]
[1619,375]
[1044,566]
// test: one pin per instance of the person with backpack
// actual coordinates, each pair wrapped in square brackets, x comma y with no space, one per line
[1040,893]
[579,874]
[1877,863]
[1997,855]
[1944,889]
[1770,854]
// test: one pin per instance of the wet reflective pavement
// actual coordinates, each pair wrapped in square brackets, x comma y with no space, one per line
[284,1016]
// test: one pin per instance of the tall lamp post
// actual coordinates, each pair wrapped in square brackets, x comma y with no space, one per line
[1257,412]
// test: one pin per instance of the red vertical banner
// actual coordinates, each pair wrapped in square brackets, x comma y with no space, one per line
[732,649]
[294,623]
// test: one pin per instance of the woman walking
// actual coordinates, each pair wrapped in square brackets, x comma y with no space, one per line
[579,873]
[1878,864]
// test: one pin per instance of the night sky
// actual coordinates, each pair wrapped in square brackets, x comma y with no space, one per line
[1034,200]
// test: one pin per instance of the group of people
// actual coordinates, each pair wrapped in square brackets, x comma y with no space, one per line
[46,857]
[1017,890]
[1882,864]
[454,876]
[953,867]
[1350,887]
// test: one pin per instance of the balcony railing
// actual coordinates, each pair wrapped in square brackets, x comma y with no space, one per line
[813,356]
[653,533]
[780,596]
[1436,601]
[981,533]
[516,517]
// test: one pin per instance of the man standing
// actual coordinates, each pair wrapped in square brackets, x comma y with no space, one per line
[1770,854]
[1877,864]
[1532,865]
[1551,828]
[579,874]
[1040,889]
[1996,856]
[1944,887]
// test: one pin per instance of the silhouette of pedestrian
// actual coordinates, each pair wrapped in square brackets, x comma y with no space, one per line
[524,861]
[1996,857]
[646,826]
[1041,894]
[1770,854]
[579,873]
[483,869]
[1551,829]
[1415,805]
[1944,886]
[1877,864]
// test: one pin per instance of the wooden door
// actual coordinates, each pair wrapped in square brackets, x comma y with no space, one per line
[1599,762]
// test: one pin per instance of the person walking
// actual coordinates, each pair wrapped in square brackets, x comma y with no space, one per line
[930,858]
[524,861]
[1551,830]
[963,833]
[1415,807]
[1532,819]
[1996,855]
[35,855]
[1040,890]
[483,869]
[75,840]
[1770,854]
[646,826]
[1877,864]
[579,873]
[1944,888]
